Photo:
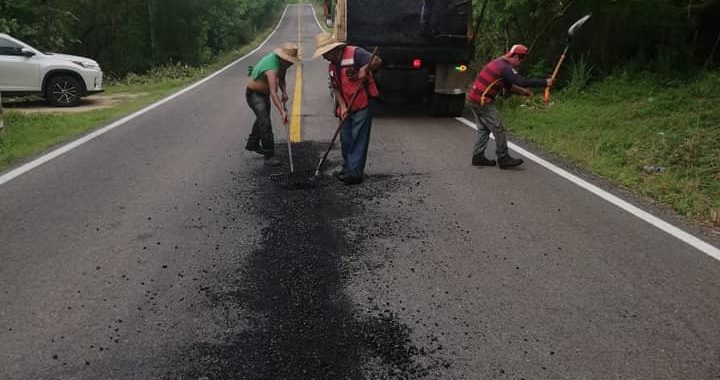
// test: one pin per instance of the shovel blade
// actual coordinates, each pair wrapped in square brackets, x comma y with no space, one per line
[578,24]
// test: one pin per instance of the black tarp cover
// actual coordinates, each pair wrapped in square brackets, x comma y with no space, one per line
[408,23]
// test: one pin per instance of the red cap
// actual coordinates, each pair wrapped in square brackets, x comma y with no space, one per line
[517,50]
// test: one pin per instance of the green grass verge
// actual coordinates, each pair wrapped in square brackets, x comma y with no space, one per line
[28,135]
[617,127]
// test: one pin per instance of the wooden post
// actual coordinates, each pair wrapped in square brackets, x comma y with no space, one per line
[340,27]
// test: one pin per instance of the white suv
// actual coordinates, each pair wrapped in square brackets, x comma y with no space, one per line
[61,79]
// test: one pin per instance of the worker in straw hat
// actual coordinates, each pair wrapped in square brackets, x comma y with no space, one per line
[266,77]
[351,78]
[498,75]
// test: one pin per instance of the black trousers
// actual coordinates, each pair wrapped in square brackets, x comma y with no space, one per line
[261,137]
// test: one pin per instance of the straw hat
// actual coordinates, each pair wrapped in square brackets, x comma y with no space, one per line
[324,42]
[288,52]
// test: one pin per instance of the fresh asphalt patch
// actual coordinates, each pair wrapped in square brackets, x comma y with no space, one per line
[298,320]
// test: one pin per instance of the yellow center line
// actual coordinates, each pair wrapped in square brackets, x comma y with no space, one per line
[295,120]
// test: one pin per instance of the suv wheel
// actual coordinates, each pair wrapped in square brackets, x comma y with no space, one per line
[63,91]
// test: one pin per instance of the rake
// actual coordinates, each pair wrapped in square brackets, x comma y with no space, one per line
[292,178]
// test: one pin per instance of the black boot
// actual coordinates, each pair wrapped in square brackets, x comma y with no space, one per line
[506,162]
[340,174]
[271,160]
[351,179]
[480,160]
[252,145]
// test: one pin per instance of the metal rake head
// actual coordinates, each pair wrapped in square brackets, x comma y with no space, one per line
[296,179]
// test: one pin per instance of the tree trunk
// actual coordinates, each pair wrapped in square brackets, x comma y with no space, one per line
[151,29]
[709,61]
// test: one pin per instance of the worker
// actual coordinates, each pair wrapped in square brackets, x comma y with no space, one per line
[351,77]
[499,74]
[266,78]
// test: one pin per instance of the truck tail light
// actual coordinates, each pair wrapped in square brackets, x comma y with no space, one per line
[461,68]
[416,63]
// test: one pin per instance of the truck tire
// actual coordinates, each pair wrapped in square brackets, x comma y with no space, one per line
[447,105]
[438,105]
[63,91]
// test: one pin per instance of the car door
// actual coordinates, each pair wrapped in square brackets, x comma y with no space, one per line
[18,72]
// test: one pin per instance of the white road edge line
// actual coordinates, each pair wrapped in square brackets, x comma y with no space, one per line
[7,177]
[316,19]
[692,240]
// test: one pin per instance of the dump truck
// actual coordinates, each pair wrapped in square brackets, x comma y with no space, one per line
[425,46]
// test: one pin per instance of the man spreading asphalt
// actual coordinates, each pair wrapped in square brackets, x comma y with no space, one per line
[350,70]
[500,73]
[266,77]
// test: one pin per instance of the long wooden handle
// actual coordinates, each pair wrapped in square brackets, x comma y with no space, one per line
[546,97]
[335,135]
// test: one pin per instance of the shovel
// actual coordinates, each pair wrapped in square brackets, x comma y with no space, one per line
[335,135]
[571,32]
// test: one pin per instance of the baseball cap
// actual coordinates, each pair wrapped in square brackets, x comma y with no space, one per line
[517,50]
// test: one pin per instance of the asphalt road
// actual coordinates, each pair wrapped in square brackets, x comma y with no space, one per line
[160,249]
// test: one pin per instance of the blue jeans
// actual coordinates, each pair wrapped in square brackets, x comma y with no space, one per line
[355,139]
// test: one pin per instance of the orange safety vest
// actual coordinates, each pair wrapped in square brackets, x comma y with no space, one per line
[348,86]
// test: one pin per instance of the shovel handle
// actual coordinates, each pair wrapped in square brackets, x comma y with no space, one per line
[335,135]
[546,96]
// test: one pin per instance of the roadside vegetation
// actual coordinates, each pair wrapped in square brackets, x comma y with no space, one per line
[134,36]
[657,137]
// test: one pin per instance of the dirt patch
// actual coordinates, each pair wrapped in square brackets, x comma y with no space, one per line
[30,105]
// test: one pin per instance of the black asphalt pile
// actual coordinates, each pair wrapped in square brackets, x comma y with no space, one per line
[303,176]
[299,322]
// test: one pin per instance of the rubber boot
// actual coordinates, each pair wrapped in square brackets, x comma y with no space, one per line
[252,145]
[480,160]
[506,162]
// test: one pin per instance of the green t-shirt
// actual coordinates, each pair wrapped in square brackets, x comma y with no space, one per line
[268,62]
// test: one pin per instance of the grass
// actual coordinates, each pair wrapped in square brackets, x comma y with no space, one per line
[28,135]
[617,127]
